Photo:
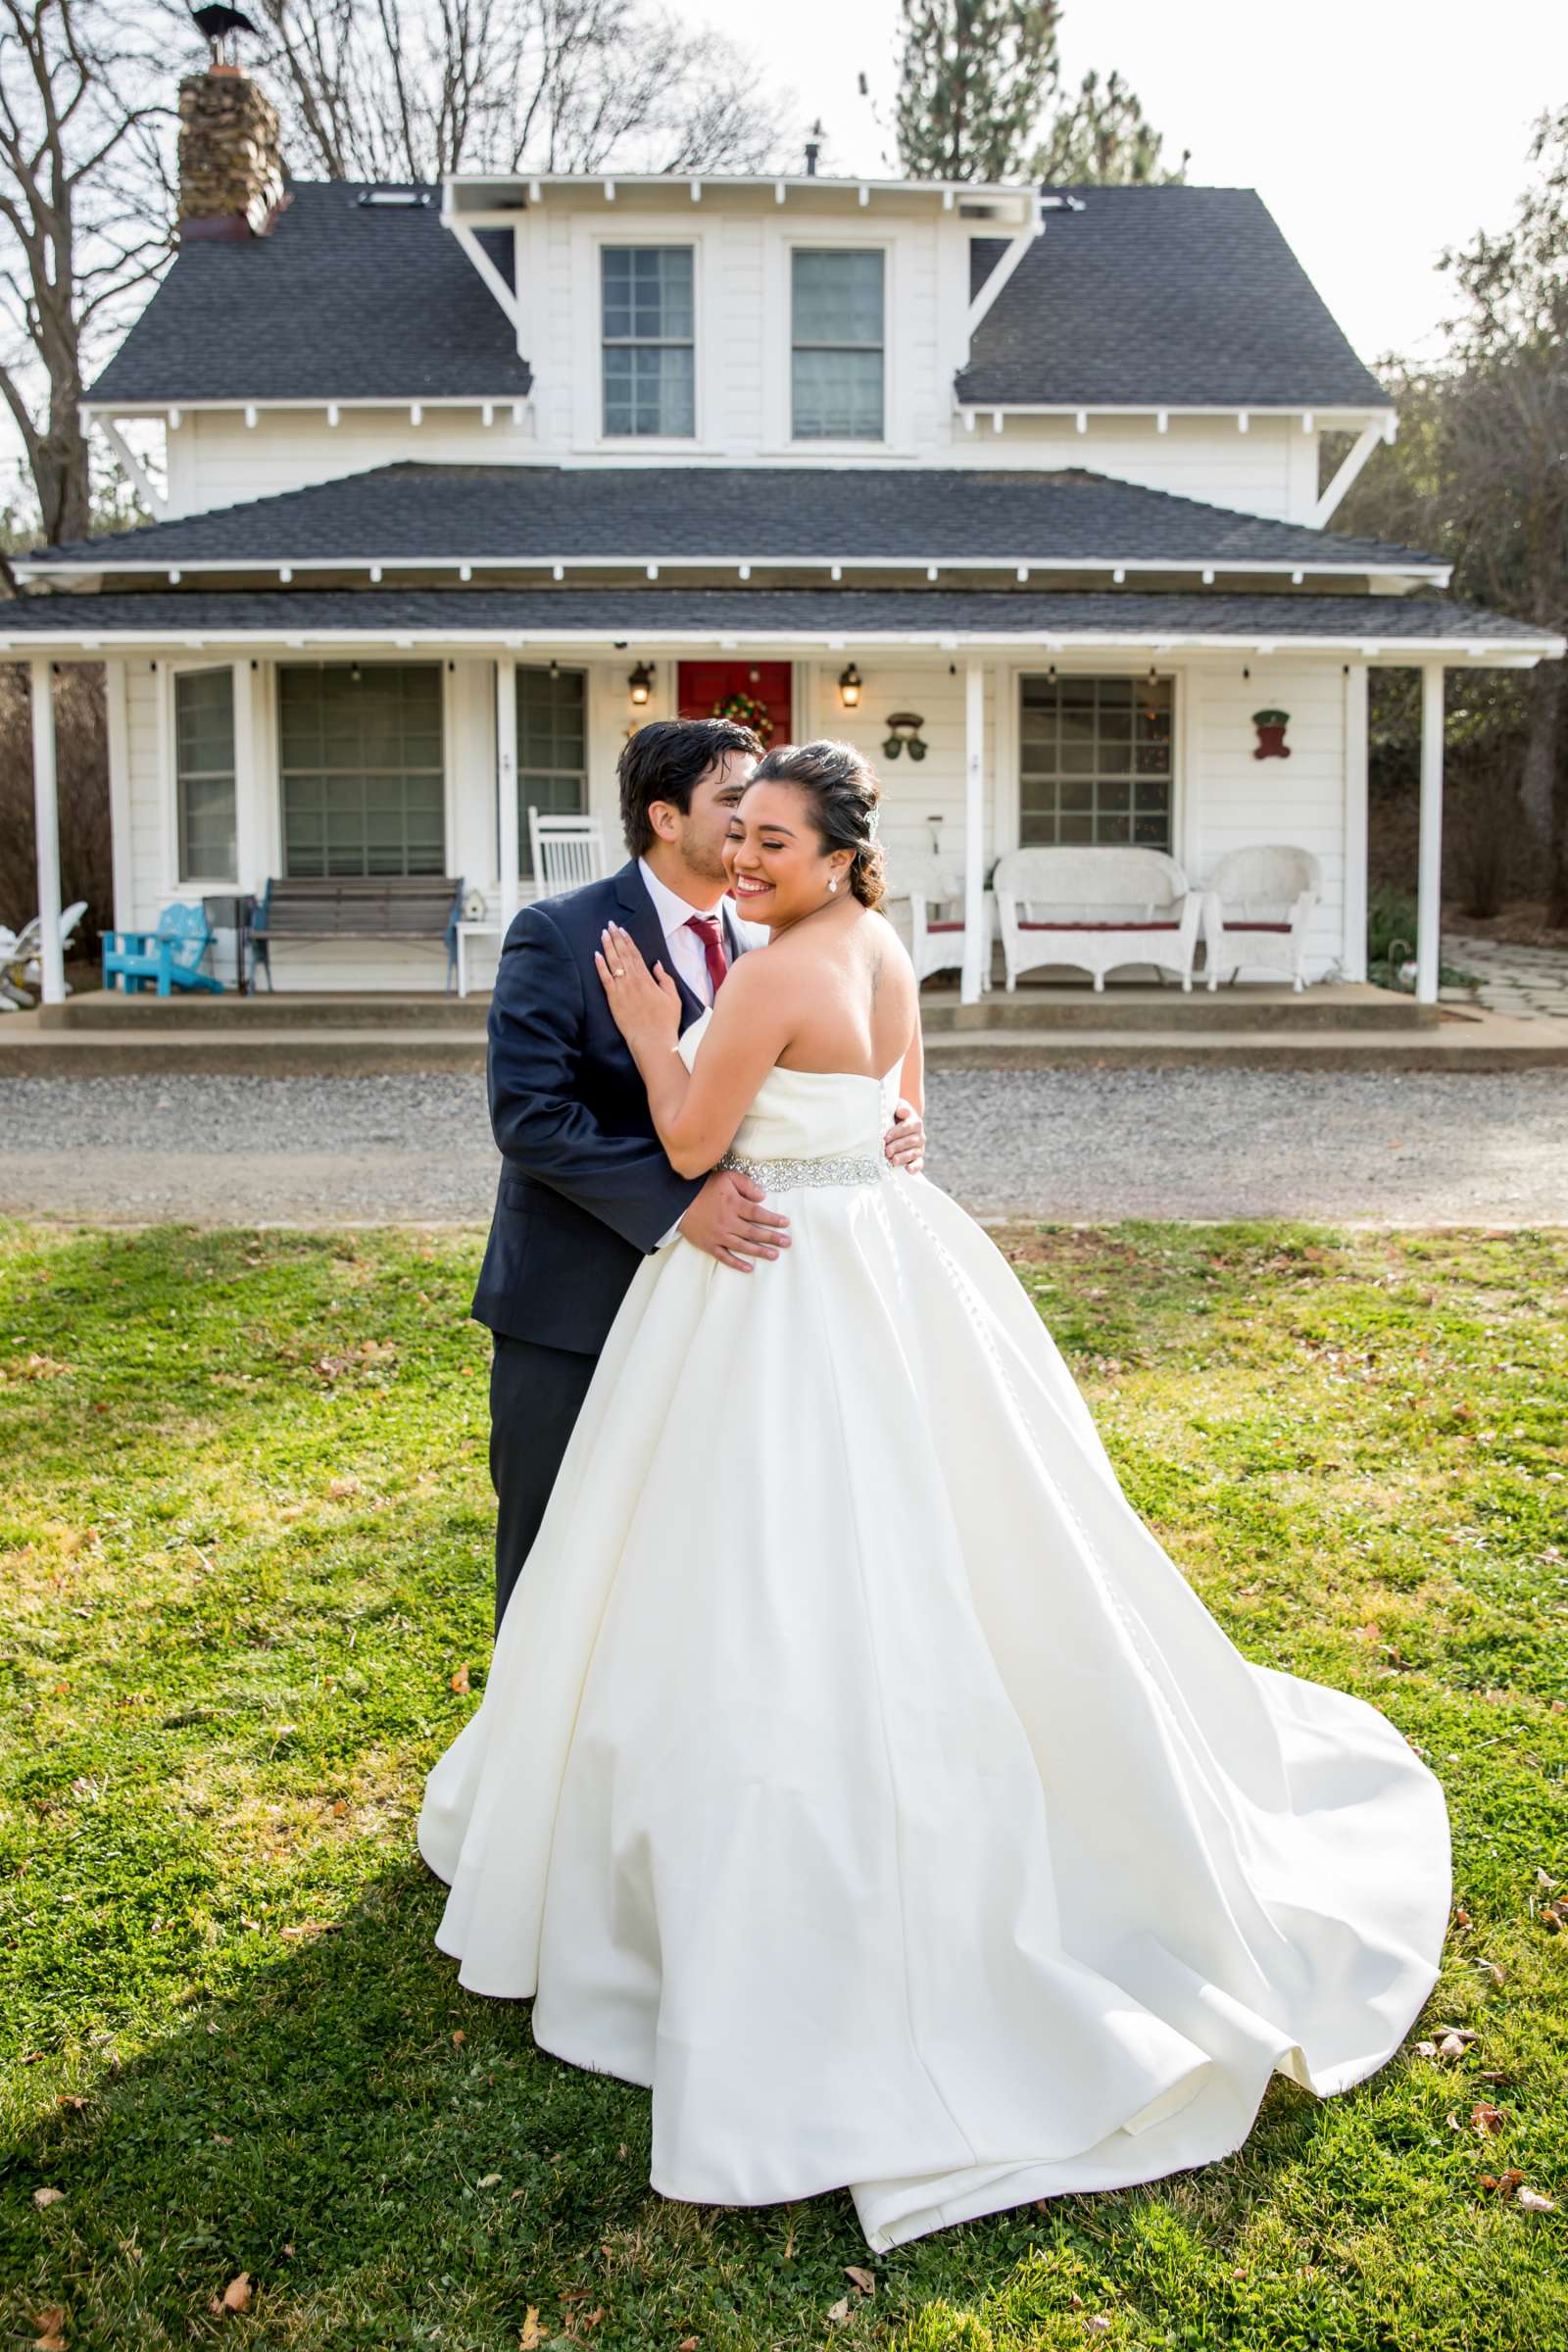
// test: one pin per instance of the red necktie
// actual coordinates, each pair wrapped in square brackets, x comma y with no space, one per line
[707,931]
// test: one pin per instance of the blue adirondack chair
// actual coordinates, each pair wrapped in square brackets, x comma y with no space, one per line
[167,958]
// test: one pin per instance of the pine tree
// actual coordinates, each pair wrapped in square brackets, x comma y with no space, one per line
[980,98]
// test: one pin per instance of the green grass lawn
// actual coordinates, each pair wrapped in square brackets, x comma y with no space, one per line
[245,1540]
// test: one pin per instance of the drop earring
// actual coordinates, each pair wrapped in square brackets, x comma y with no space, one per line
[832,882]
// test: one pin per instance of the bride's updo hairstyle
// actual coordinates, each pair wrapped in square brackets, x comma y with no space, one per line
[845,797]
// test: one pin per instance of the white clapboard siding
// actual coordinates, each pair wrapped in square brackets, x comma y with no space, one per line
[1269,469]
[1238,800]
[216,459]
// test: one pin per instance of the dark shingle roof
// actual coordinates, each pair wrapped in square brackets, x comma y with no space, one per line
[1170,296]
[648,612]
[735,513]
[342,301]
[1165,296]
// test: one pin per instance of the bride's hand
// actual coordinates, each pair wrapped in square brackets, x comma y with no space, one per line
[644,1005]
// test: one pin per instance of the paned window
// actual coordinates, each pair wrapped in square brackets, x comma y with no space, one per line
[363,773]
[649,332]
[204,774]
[552,749]
[836,337]
[1094,761]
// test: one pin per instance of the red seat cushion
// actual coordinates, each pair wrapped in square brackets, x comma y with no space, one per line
[1100,926]
[943,926]
[1230,926]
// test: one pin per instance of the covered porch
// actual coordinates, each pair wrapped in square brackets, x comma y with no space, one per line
[249,743]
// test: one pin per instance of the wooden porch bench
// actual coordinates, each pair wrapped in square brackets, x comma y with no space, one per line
[357,906]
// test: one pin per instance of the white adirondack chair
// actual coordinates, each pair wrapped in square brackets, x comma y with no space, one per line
[1256,909]
[1096,907]
[567,851]
[933,887]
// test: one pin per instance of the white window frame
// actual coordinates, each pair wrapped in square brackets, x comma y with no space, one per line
[196,886]
[778,421]
[451,744]
[1009,748]
[588,407]
[668,244]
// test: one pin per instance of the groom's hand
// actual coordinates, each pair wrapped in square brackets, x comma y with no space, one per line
[727,1219]
[904,1143]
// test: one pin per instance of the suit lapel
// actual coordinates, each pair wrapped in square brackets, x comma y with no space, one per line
[642,921]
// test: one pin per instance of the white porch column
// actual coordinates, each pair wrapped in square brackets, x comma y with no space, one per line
[507,847]
[250,839]
[46,817]
[1429,883]
[119,728]
[976,940]
[1352,945]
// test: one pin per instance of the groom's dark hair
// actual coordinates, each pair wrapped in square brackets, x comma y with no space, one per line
[665,759]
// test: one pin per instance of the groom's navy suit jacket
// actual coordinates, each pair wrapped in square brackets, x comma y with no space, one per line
[585,1191]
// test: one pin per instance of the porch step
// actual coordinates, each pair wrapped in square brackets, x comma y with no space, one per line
[1253,1007]
[1344,1004]
[1469,1041]
[101,1011]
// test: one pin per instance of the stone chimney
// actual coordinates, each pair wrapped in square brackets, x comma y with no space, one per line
[230,158]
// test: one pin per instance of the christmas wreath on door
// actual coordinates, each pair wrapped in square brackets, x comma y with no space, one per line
[746,711]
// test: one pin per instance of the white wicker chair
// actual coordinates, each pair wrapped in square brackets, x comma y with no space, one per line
[1095,908]
[933,887]
[568,851]
[1256,909]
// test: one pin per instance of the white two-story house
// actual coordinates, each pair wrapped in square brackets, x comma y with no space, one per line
[460,483]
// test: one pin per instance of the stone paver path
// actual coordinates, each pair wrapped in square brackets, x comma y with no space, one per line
[1528,983]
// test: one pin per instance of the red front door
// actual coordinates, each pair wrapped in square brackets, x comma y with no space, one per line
[705,684]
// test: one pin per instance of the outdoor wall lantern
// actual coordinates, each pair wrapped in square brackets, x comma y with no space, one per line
[641,685]
[903,734]
[849,685]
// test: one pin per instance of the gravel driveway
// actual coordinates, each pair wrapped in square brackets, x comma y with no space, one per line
[1367,1146]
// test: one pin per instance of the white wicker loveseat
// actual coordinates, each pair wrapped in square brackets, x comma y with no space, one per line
[1095,908]
[1256,908]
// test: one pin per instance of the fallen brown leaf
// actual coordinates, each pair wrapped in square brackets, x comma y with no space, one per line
[51,2326]
[1485,2119]
[864,2279]
[459,2039]
[688,2344]
[340,1487]
[839,2311]
[459,1681]
[491,2181]
[1532,2201]
[236,2295]
[533,2335]
[48,2196]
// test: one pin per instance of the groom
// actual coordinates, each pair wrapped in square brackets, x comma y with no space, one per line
[585,1191]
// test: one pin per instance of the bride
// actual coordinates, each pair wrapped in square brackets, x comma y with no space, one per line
[855,1769]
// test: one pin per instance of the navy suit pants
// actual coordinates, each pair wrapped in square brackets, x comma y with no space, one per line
[536,1395]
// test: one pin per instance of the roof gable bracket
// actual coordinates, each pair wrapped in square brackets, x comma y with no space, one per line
[1033,227]
[1355,459]
[146,489]
[496,284]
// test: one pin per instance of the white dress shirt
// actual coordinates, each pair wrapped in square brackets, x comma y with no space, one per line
[686,949]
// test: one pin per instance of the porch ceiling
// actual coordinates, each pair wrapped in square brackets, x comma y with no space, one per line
[864,518]
[1398,629]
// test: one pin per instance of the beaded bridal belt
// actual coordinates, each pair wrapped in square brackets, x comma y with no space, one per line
[789,1175]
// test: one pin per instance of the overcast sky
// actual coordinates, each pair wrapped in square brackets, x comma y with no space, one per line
[1376,131]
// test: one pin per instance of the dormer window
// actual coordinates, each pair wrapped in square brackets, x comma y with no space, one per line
[837,342]
[649,316]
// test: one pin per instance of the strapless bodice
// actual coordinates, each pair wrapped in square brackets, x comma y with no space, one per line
[808,1115]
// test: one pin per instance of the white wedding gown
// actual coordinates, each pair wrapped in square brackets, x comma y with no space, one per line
[856,1770]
